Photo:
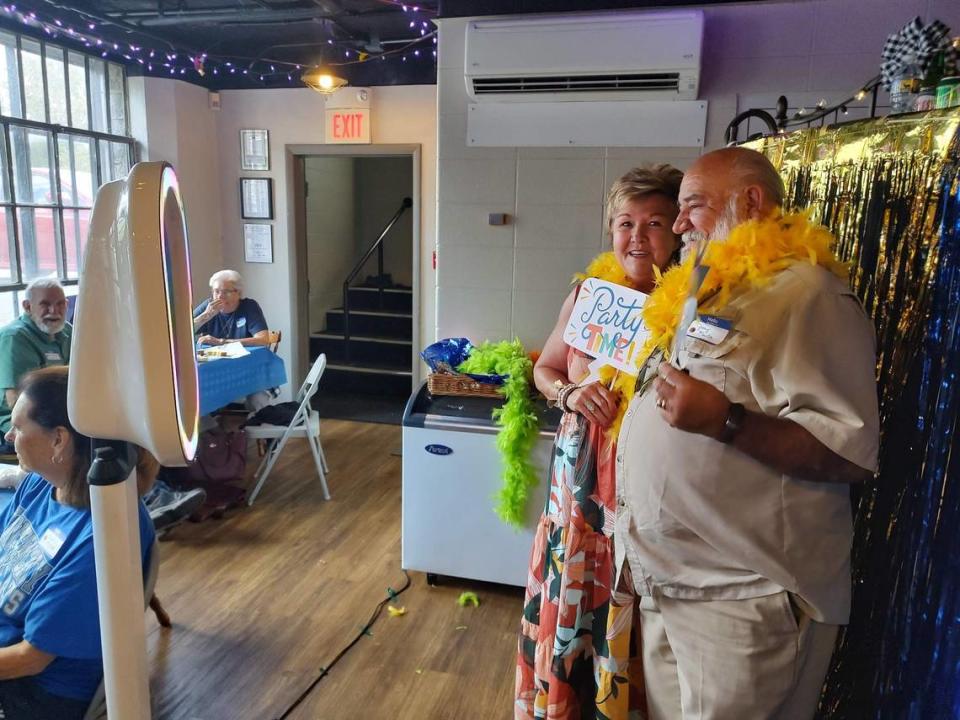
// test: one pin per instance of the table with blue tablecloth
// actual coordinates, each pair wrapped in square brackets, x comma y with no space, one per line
[225,380]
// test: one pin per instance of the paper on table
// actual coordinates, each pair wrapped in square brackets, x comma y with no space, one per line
[230,350]
[234,350]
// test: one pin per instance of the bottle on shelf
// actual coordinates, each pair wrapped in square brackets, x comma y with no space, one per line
[948,89]
[905,86]
[926,96]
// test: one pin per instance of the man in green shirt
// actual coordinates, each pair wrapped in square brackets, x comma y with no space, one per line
[38,338]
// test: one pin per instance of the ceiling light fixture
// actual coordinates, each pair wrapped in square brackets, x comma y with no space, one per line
[323,81]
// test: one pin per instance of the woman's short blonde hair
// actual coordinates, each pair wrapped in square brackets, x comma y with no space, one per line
[639,182]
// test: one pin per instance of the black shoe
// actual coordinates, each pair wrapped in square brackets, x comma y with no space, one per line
[168,507]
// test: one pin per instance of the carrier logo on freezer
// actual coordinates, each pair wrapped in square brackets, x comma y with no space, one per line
[439,450]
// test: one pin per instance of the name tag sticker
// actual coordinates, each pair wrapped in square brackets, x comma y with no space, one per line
[710,328]
[241,322]
[51,542]
[53,357]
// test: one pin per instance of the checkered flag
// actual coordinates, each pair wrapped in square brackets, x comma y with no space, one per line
[914,43]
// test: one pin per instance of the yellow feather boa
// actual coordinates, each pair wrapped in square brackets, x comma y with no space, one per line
[749,258]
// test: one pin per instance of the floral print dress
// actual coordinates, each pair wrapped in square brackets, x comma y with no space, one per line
[577,655]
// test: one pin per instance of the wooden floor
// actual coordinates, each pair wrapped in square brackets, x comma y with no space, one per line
[265,597]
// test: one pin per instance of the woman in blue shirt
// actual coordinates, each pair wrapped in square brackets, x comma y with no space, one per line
[50,656]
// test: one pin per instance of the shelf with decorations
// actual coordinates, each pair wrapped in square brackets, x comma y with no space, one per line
[919,70]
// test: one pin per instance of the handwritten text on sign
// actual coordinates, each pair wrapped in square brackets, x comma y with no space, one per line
[606,323]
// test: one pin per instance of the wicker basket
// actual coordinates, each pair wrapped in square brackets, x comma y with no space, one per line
[456,384]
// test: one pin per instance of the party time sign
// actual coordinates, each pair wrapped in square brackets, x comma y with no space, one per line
[606,324]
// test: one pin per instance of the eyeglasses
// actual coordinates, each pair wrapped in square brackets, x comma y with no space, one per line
[227,291]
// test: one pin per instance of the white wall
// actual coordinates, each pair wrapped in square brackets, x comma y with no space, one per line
[500,282]
[172,121]
[330,221]
[403,115]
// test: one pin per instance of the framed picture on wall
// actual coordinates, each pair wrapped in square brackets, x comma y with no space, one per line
[256,198]
[254,149]
[258,243]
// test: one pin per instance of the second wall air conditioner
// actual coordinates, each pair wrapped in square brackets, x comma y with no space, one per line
[613,56]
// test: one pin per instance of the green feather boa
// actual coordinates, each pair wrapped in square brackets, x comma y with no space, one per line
[517,420]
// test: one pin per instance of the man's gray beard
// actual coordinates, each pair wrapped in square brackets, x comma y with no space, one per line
[52,328]
[725,225]
[691,241]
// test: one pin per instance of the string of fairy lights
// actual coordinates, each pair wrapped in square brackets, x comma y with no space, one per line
[195,64]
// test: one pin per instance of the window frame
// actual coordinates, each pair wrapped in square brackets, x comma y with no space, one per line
[55,131]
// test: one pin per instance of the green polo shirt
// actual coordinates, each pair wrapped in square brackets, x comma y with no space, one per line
[24,347]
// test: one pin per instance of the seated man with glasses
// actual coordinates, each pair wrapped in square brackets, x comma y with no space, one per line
[227,316]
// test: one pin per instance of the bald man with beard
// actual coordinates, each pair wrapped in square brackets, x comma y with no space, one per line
[734,522]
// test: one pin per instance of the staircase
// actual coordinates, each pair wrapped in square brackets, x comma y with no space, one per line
[381,350]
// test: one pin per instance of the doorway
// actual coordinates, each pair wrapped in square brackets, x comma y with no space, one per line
[360,226]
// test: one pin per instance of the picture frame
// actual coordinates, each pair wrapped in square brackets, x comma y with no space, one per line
[254,149]
[256,198]
[258,242]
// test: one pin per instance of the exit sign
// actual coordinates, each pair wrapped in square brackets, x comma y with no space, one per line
[348,125]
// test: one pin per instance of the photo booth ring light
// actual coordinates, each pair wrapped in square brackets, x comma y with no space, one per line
[133,372]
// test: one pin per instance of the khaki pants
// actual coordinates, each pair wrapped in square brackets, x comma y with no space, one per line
[755,659]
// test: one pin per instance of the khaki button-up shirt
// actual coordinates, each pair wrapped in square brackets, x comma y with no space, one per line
[700,519]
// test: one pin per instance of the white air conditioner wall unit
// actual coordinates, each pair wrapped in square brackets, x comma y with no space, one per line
[610,56]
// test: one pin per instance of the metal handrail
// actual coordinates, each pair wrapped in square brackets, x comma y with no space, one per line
[378,246]
[781,122]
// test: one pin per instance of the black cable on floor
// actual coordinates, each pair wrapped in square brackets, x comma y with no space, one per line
[324,671]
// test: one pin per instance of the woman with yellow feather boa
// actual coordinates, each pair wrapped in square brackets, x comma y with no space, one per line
[574,654]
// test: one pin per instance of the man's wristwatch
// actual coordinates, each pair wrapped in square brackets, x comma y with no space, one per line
[734,423]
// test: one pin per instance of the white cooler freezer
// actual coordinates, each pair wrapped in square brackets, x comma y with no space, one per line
[451,473]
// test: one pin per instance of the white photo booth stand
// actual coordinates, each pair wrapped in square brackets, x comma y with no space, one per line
[133,379]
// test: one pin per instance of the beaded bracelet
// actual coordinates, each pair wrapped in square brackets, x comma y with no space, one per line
[564,394]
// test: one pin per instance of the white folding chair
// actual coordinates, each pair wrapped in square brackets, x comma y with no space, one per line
[305,424]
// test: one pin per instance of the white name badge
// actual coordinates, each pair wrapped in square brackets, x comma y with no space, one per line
[242,322]
[53,357]
[710,328]
[51,542]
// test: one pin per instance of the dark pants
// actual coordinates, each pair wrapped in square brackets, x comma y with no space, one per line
[24,699]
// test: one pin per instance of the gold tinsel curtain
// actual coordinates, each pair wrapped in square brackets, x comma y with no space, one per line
[875,184]
[889,189]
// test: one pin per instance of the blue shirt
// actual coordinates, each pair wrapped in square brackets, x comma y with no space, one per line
[48,585]
[244,322]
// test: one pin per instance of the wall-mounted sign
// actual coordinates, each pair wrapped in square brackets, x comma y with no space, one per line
[254,150]
[347,125]
[606,323]
[258,243]
[256,198]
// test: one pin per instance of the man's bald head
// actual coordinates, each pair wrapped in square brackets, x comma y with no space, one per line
[723,189]
[741,168]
